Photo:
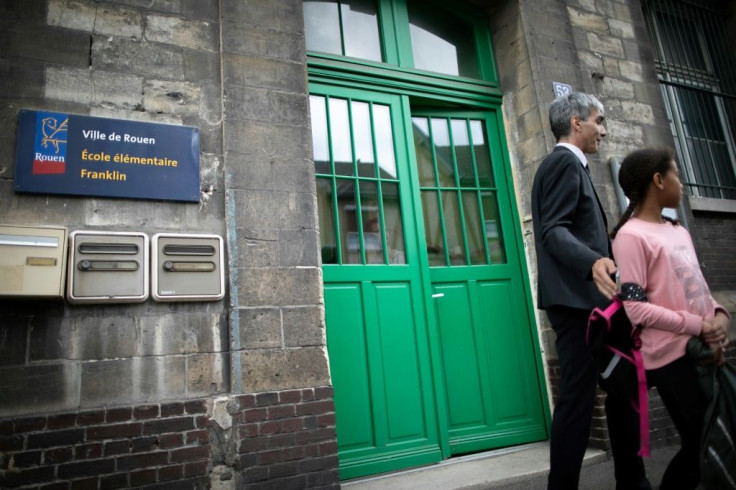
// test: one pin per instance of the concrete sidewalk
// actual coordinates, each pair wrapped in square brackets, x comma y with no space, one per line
[518,468]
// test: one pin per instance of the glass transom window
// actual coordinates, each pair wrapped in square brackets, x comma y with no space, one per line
[440,43]
[343,27]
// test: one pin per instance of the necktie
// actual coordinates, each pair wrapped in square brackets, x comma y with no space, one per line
[587,170]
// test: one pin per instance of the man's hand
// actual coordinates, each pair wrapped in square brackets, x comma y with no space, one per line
[602,270]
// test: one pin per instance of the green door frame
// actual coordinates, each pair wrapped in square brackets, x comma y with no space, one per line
[397,76]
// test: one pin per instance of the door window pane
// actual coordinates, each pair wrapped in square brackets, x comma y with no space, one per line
[363,139]
[433,229]
[462,153]
[441,42]
[463,225]
[349,236]
[423,149]
[443,152]
[384,141]
[348,28]
[368,226]
[373,243]
[322,26]
[320,143]
[454,228]
[360,29]
[327,236]
[474,229]
[340,137]
[494,235]
[394,226]
[482,155]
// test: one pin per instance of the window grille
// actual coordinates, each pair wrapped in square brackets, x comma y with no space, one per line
[695,63]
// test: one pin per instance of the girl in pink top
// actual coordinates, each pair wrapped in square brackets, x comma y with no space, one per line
[658,255]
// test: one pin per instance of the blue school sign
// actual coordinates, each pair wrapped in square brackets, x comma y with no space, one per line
[93,156]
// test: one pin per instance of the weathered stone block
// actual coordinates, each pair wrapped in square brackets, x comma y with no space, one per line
[36,209]
[126,213]
[588,21]
[135,115]
[271,73]
[22,78]
[277,369]
[636,111]
[186,33]
[50,44]
[38,389]
[624,132]
[259,40]
[631,70]
[13,334]
[304,326]
[256,248]
[299,247]
[93,87]
[606,45]
[267,140]
[136,57]
[207,374]
[139,379]
[286,210]
[616,88]
[620,28]
[28,11]
[90,16]
[171,97]
[203,66]
[288,286]
[283,16]
[267,105]
[182,332]
[260,328]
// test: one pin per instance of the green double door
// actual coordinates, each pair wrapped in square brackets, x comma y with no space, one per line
[430,336]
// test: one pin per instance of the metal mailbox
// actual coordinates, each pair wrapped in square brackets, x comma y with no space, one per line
[32,261]
[108,267]
[187,267]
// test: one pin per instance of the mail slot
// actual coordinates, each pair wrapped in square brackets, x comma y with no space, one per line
[108,267]
[32,261]
[187,267]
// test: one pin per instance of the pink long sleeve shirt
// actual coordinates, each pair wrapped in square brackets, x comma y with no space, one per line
[660,258]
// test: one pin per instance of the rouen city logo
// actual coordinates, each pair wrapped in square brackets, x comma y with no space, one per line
[49,150]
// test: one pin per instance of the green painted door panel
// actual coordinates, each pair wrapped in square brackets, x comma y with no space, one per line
[383,395]
[348,347]
[485,335]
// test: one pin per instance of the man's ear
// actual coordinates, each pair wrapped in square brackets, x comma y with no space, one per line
[575,123]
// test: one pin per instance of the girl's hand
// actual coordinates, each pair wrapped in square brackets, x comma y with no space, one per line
[715,331]
[721,322]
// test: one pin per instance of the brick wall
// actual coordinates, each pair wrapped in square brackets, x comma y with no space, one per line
[143,446]
[287,439]
[714,235]
[277,440]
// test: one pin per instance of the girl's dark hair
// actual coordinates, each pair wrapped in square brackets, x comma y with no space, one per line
[636,173]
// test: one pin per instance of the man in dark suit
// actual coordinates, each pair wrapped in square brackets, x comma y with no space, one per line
[574,270]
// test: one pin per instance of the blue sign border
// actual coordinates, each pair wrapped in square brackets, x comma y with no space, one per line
[60,153]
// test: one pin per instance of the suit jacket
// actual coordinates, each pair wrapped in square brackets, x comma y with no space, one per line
[570,233]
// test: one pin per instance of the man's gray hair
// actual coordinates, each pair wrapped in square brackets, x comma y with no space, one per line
[564,107]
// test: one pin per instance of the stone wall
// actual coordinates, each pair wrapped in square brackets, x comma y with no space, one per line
[237,71]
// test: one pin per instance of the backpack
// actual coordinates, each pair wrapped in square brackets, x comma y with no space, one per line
[615,345]
[718,440]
